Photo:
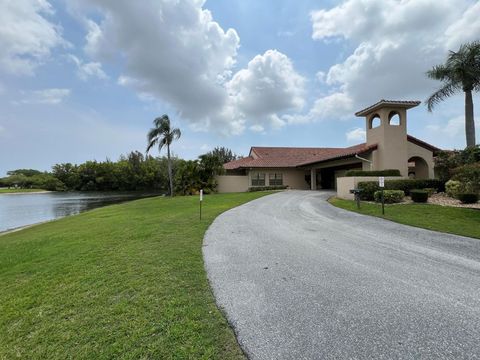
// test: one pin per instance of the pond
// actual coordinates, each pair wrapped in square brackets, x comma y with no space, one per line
[22,209]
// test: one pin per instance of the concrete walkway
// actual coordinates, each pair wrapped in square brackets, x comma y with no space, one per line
[301,279]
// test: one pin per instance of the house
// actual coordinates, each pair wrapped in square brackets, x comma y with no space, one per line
[387,146]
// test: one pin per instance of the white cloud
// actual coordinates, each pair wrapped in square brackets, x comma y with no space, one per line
[334,106]
[449,134]
[356,135]
[176,52]
[45,96]
[267,86]
[89,69]
[205,147]
[26,36]
[257,128]
[395,43]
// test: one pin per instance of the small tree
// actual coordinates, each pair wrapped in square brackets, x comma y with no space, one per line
[163,135]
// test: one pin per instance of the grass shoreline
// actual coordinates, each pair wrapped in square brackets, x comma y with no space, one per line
[123,281]
[22,191]
[451,220]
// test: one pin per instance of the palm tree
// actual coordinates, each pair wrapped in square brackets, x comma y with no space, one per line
[461,72]
[163,135]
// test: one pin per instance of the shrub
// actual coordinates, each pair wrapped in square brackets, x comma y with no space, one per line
[369,187]
[453,187]
[368,190]
[467,198]
[388,172]
[430,191]
[469,176]
[419,196]
[265,188]
[389,196]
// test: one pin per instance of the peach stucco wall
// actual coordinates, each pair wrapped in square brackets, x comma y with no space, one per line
[293,178]
[232,183]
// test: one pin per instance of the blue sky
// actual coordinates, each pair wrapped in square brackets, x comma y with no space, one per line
[83,79]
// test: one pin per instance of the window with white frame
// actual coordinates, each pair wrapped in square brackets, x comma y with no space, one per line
[275,179]
[258,179]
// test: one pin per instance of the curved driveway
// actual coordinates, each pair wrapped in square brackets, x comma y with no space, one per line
[301,279]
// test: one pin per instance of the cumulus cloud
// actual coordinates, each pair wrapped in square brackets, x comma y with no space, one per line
[176,52]
[27,37]
[356,135]
[45,96]
[267,86]
[87,70]
[395,43]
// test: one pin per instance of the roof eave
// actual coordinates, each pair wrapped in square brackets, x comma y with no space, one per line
[386,103]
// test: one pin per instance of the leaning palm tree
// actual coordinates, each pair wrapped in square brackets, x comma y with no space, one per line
[461,72]
[163,135]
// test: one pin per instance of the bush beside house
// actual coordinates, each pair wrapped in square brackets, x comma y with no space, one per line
[406,185]
[419,196]
[389,196]
[388,172]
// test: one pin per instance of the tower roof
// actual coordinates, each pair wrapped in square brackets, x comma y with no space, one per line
[389,103]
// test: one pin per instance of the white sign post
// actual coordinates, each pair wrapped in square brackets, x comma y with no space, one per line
[201,200]
[381,181]
[381,184]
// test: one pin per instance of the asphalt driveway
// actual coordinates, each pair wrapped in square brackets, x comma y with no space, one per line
[301,279]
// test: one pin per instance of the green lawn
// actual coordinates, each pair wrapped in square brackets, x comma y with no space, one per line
[452,220]
[124,281]
[11,191]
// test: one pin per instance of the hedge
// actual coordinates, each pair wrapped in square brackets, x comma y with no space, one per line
[388,172]
[419,196]
[389,196]
[369,187]
[467,198]
[265,188]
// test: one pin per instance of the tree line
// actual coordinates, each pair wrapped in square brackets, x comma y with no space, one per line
[132,172]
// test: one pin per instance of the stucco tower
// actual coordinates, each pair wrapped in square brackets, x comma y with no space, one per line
[386,126]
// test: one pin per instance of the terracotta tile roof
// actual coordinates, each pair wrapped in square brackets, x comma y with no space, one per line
[340,154]
[383,102]
[285,157]
[281,157]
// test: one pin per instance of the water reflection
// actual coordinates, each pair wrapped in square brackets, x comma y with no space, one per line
[18,210]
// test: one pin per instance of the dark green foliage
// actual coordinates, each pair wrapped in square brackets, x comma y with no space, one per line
[469,176]
[37,180]
[25,172]
[264,188]
[369,187]
[468,198]
[224,154]
[446,162]
[387,172]
[389,196]
[419,196]
[195,175]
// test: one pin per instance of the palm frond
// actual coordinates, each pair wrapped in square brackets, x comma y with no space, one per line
[176,133]
[151,143]
[439,72]
[441,94]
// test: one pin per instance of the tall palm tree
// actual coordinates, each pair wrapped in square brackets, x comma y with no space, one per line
[163,135]
[461,72]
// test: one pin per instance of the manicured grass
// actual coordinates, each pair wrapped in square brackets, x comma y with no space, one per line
[12,191]
[124,281]
[451,220]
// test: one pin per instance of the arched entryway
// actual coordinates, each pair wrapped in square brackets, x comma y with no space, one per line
[417,168]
